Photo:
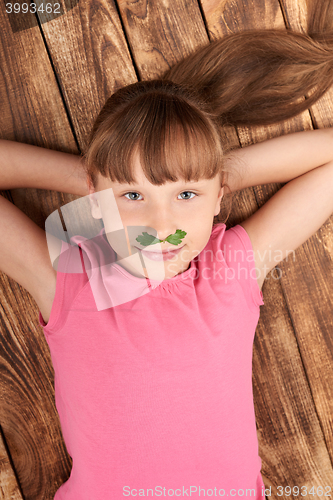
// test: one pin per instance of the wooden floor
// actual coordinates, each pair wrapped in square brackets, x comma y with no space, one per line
[57,70]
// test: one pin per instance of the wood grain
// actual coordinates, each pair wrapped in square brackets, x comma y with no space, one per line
[161,33]
[9,488]
[90,58]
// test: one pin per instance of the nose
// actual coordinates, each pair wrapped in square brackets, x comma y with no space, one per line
[163,222]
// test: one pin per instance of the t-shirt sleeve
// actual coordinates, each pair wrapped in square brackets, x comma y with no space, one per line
[239,257]
[70,279]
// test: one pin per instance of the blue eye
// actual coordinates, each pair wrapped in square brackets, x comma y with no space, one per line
[188,192]
[133,192]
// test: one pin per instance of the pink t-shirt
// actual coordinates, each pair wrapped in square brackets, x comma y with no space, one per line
[155,395]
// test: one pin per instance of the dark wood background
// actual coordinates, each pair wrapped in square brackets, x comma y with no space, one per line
[57,70]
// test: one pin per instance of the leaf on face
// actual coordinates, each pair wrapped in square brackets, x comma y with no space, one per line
[176,238]
[147,239]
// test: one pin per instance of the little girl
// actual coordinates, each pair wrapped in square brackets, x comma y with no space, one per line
[151,339]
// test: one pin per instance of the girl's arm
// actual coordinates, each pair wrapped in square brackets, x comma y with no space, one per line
[280,159]
[26,166]
[301,206]
[24,254]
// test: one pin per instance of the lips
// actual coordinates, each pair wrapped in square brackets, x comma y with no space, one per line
[158,256]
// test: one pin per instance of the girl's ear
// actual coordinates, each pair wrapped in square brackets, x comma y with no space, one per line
[218,202]
[93,199]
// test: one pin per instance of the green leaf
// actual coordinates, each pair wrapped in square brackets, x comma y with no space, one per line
[176,238]
[147,239]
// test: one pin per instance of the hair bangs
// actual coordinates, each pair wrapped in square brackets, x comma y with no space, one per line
[174,140]
[178,143]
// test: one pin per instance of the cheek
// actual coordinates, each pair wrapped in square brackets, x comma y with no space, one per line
[203,237]
[109,210]
[128,215]
[200,226]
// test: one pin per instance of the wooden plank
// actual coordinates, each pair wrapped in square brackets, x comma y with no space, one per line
[289,431]
[161,33]
[90,57]
[9,489]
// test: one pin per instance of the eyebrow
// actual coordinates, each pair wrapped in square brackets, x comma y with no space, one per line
[202,181]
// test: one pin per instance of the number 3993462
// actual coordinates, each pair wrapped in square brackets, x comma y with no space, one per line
[49,8]
[304,491]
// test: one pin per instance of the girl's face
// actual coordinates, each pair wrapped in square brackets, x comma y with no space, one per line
[189,206]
